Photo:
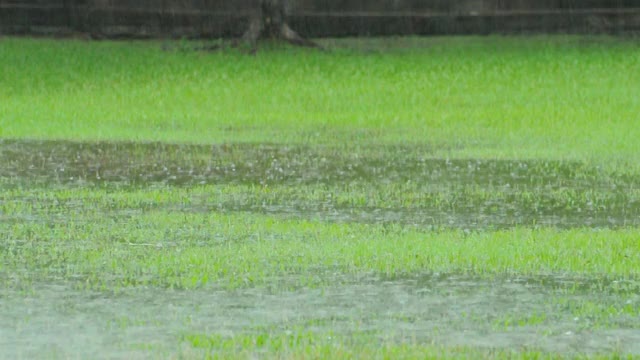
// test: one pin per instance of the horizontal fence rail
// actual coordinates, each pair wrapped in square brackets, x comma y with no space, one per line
[59,17]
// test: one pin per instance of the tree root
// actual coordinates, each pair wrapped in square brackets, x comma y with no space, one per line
[260,27]
[268,22]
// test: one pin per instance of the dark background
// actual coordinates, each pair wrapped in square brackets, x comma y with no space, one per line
[317,18]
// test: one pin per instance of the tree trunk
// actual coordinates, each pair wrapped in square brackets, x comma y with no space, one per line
[270,20]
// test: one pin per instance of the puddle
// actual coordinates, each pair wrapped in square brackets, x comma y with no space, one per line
[139,164]
[465,194]
[444,310]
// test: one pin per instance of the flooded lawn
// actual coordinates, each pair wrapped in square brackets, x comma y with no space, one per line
[118,250]
[550,315]
[401,185]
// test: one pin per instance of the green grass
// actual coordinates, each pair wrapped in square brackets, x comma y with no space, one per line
[174,250]
[358,131]
[514,97]
[300,345]
[119,241]
[114,239]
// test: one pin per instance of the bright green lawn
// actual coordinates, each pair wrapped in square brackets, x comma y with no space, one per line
[508,97]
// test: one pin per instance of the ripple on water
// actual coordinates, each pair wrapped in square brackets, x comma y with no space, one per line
[466,194]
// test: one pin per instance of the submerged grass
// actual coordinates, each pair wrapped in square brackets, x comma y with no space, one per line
[568,97]
[301,345]
[394,171]
[325,252]
[156,247]
[132,247]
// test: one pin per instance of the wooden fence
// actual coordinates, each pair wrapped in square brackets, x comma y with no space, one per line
[317,18]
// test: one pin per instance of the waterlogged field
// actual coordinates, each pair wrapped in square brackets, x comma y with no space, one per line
[401,198]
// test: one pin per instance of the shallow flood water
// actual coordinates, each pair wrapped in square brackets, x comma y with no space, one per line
[397,185]
[144,164]
[541,314]
[466,194]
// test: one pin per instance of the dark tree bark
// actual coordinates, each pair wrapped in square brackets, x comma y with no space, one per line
[270,21]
